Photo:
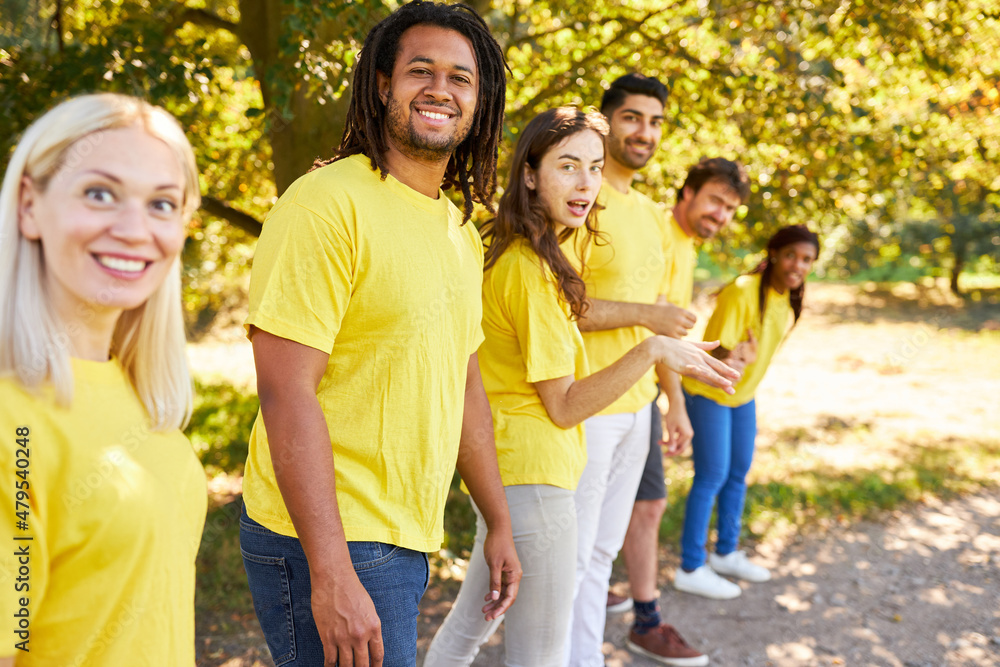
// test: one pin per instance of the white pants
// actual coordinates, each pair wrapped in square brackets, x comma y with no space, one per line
[543,519]
[617,447]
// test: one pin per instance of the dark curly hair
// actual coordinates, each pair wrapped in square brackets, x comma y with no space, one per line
[520,213]
[719,170]
[472,166]
[784,237]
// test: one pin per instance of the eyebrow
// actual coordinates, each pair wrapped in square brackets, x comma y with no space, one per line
[115,179]
[430,61]
[567,156]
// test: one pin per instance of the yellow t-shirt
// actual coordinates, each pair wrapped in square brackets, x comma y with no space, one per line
[736,310]
[388,282]
[114,520]
[628,265]
[681,260]
[529,338]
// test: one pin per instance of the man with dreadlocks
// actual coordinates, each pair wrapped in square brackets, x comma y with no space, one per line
[365,311]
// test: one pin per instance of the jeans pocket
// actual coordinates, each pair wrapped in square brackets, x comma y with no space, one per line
[369,555]
[272,600]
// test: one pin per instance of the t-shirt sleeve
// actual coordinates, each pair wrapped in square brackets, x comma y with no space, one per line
[302,277]
[731,318]
[478,336]
[544,333]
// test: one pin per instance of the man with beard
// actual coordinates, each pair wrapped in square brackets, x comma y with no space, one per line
[640,282]
[365,310]
[707,201]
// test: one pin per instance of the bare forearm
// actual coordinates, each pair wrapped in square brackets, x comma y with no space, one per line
[588,396]
[477,457]
[603,315]
[302,457]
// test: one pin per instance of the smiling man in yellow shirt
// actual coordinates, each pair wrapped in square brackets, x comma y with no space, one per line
[365,311]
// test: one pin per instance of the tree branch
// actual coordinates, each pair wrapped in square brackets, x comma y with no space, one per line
[205,18]
[233,216]
[562,81]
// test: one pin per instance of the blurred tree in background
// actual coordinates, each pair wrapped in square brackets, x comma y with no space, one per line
[876,122]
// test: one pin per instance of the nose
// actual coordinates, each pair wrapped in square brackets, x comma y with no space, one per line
[647,131]
[437,87]
[132,225]
[588,180]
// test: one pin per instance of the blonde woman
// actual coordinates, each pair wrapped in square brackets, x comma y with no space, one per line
[103,500]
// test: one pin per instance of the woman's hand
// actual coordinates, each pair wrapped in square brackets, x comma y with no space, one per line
[692,360]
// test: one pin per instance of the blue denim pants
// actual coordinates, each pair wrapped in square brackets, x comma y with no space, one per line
[722,450]
[278,574]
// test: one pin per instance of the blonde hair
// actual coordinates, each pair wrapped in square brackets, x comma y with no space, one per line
[148,340]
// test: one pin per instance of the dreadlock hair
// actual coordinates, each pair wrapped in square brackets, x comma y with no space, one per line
[631,84]
[719,170]
[784,237]
[472,166]
[522,215]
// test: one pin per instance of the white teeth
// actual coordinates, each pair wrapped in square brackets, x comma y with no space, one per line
[122,264]
[436,116]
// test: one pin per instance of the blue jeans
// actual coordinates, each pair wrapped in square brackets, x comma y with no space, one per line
[278,574]
[722,450]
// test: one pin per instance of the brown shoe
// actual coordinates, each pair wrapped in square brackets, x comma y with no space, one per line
[618,604]
[664,644]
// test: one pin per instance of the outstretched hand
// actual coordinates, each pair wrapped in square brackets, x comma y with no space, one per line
[692,360]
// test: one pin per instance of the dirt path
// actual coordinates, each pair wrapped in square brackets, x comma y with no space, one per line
[885,374]
[920,590]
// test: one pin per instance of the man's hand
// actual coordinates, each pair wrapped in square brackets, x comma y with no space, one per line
[677,430]
[348,625]
[666,319]
[505,573]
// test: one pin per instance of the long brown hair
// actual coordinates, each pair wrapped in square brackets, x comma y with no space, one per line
[520,214]
[473,166]
[784,237]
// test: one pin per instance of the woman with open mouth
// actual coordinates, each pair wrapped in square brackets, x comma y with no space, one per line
[536,376]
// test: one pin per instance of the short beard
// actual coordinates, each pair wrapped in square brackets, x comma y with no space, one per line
[616,148]
[405,136]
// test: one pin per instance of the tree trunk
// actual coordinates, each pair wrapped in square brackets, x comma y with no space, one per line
[956,270]
[313,130]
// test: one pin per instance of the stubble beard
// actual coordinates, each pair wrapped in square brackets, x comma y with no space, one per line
[616,148]
[411,143]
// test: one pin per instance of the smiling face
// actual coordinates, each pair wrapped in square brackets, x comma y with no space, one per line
[791,264]
[705,212]
[636,129]
[568,178]
[110,223]
[431,97]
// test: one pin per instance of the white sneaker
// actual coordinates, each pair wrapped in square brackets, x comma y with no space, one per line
[735,564]
[706,583]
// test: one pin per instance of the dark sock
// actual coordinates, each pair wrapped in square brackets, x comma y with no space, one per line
[647,616]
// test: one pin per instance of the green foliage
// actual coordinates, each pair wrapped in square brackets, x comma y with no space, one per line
[812,494]
[221,580]
[220,426]
[876,123]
